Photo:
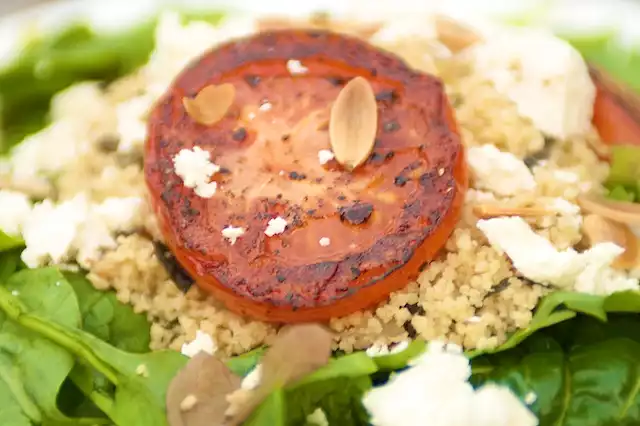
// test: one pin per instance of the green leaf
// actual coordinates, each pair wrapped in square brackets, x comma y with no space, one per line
[579,377]
[242,365]
[12,411]
[140,380]
[7,242]
[624,173]
[398,361]
[32,367]
[108,319]
[620,193]
[270,413]
[9,263]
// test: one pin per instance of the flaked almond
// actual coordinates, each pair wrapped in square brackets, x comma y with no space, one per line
[618,211]
[453,34]
[210,104]
[598,229]
[353,123]
[488,211]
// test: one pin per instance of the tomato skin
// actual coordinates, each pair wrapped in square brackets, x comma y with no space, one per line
[615,113]
[250,278]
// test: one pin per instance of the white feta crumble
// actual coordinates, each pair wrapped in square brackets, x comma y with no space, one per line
[537,259]
[15,207]
[131,122]
[195,169]
[435,391]
[556,92]
[252,380]
[325,155]
[317,418]
[499,172]
[295,67]
[275,226]
[324,241]
[55,233]
[232,233]
[202,343]
[49,231]
[562,206]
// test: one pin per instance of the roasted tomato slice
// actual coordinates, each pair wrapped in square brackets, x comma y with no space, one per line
[384,220]
[616,112]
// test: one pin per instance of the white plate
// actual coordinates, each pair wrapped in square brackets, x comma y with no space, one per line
[566,15]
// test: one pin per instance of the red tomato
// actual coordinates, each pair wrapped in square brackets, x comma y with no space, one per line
[384,220]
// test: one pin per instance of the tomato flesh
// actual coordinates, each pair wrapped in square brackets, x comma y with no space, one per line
[384,220]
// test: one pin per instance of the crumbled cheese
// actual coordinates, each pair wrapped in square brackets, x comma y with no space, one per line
[195,169]
[399,347]
[435,391]
[142,370]
[132,123]
[55,233]
[188,402]
[275,226]
[232,233]
[562,206]
[537,259]
[317,418]
[556,92]
[202,343]
[266,106]
[499,172]
[49,231]
[324,241]
[295,67]
[252,380]
[15,208]
[120,214]
[177,44]
[566,176]
[325,155]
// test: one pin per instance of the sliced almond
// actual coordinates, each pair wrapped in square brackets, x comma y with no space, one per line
[454,35]
[598,229]
[618,211]
[488,211]
[353,123]
[210,104]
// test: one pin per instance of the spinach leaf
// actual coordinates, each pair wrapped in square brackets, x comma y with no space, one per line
[8,242]
[398,361]
[140,380]
[242,365]
[9,263]
[579,378]
[271,412]
[31,367]
[108,319]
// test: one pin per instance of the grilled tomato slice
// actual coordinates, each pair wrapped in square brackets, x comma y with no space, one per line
[378,223]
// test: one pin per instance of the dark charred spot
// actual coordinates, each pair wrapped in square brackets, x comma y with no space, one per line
[423,266]
[355,272]
[252,80]
[336,81]
[178,275]
[281,278]
[224,171]
[376,157]
[410,329]
[109,143]
[356,214]
[311,212]
[297,176]
[374,72]
[391,126]
[400,180]
[386,96]
[415,309]
[239,135]
[284,138]
[341,197]
[389,155]
[427,179]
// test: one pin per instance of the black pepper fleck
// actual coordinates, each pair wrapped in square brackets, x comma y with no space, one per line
[336,81]
[239,135]
[386,95]
[341,197]
[297,176]
[224,171]
[355,272]
[178,275]
[400,180]
[284,138]
[280,278]
[252,80]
